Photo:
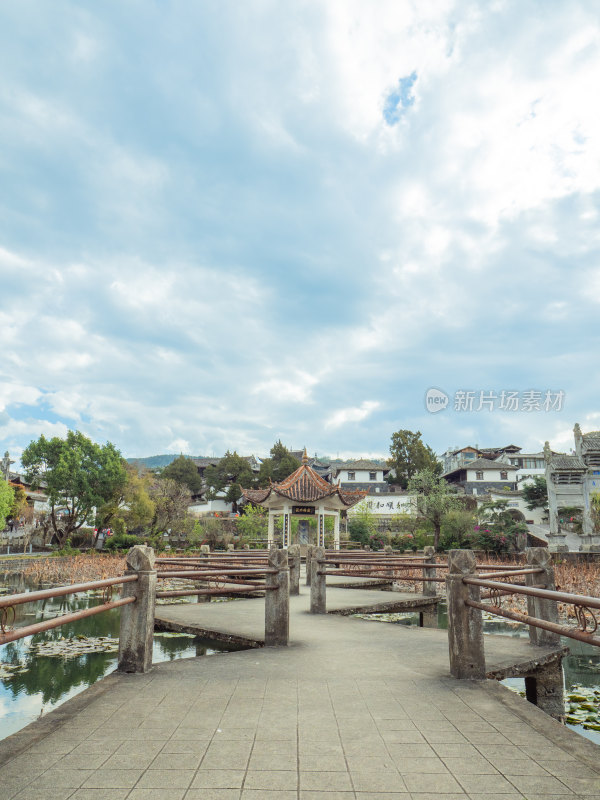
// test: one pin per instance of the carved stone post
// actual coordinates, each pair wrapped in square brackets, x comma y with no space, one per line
[204,550]
[429,587]
[277,600]
[536,606]
[309,556]
[465,626]
[294,559]
[318,582]
[137,619]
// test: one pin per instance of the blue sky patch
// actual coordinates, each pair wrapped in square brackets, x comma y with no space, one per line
[399,100]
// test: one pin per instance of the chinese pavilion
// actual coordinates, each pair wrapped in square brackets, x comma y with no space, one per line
[304,494]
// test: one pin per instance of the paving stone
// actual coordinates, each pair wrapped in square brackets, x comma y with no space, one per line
[470,765]
[218,779]
[268,760]
[271,779]
[325,781]
[431,783]
[488,783]
[32,792]
[166,779]
[113,779]
[99,794]
[388,781]
[327,762]
[309,794]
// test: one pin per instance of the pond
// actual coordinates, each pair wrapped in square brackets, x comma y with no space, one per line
[40,672]
[581,668]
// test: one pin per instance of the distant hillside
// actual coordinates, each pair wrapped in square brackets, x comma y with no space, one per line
[152,462]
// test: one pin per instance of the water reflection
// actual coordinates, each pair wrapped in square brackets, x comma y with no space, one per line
[36,684]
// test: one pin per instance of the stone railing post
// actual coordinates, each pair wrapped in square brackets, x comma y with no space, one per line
[318,582]
[465,626]
[429,587]
[294,561]
[277,600]
[204,550]
[536,606]
[230,547]
[137,619]
[309,556]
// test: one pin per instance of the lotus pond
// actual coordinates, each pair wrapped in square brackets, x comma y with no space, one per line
[40,672]
[581,668]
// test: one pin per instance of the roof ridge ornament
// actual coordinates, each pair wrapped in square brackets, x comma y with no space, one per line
[305,457]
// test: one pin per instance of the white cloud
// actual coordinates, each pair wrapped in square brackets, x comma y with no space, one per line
[356,414]
[220,258]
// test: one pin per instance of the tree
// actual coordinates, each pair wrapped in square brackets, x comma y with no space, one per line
[595,511]
[227,477]
[20,507]
[536,494]
[281,464]
[171,501]
[130,507]
[78,476]
[183,470]
[253,522]
[362,523]
[410,455]
[6,502]
[434,499]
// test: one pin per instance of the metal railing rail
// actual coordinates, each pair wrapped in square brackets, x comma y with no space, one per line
[583,605]
[8,603]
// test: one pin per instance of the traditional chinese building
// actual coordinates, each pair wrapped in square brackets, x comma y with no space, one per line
[307,495]
[572,481]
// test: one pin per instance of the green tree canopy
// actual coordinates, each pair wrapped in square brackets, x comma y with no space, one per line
[171,501]
[227,477]
[130,506]
[434,498]
[77,475]
[535,494]
[183,470]
[410,455]
[6,502]
[281,464]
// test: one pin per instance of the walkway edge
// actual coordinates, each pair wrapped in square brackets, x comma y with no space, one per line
[38,729]
[577,745]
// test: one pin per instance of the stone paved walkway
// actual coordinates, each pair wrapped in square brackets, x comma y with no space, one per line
[351,709]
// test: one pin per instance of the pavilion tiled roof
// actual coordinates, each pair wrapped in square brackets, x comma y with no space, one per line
[304,486]
[568,462]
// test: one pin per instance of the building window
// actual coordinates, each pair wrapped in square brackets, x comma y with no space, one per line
[479,476]
[351,476]
[504,476]
[372,476]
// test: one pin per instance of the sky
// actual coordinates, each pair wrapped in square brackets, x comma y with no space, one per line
[227,223]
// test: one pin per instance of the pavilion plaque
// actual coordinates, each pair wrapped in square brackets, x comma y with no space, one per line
[303,510]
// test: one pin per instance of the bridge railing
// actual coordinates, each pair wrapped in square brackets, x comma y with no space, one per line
[232,574]
[136,603]
[465,607]
[139,593]
[385,567]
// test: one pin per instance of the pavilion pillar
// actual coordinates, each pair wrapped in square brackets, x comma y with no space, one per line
[321,529]
[336,531]
[271,531]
